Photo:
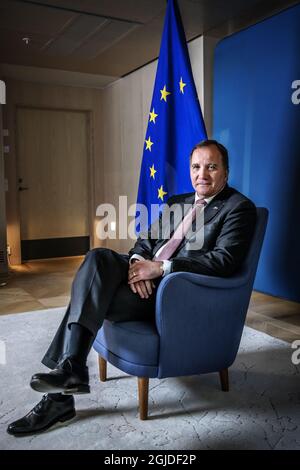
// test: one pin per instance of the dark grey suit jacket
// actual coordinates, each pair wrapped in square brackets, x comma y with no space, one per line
[229,221]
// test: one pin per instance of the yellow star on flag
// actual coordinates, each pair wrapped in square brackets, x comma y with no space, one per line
[181,85]
[164,94]
[161,193]
[148,144]
[152,171]
[153,116]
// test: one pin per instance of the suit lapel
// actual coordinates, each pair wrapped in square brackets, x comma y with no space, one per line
[168,231]
[218,202]
[188,202]
[210,211]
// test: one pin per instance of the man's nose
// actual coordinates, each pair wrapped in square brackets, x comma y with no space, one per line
[202,172]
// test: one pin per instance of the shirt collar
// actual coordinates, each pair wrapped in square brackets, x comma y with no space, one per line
[208,199]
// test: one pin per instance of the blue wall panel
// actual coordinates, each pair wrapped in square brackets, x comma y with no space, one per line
[254,117]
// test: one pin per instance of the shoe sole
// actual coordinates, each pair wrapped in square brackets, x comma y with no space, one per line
[62,419]
[43,387]
[67,416]
[77,390]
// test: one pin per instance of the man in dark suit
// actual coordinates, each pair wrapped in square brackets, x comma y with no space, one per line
[122,287]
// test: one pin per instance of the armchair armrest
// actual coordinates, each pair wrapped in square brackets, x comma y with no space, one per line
[210,281]
[200,321]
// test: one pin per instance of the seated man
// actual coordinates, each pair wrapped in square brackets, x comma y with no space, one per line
[122,287]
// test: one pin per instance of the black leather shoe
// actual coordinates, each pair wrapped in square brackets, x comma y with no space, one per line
[44,415]
[68,378]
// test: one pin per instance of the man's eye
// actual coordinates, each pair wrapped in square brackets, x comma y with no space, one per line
[212,166]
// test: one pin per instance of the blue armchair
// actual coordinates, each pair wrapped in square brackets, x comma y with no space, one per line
[193,313]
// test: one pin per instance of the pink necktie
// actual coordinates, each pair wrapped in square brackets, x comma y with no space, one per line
[179,234]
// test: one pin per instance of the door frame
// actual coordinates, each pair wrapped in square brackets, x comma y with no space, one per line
[90,164]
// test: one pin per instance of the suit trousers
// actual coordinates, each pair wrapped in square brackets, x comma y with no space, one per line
[99,291]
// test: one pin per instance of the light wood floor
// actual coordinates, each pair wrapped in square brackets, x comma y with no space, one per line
[37,285]
[46,283]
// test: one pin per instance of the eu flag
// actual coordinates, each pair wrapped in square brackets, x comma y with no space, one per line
[175,119]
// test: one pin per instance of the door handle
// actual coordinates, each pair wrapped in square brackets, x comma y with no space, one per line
[22,189]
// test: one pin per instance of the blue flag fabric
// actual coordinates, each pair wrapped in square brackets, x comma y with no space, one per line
[175,120]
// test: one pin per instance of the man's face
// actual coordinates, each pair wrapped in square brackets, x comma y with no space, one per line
[208,174]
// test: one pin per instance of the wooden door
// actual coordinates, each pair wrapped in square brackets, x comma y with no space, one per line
[53,182]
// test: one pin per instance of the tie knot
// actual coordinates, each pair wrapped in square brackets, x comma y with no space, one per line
[201,202]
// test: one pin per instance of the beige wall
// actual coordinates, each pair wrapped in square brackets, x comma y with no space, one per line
[3,262]
[119,117]
[125,107]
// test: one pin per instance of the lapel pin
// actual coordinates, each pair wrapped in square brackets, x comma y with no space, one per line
[215,208]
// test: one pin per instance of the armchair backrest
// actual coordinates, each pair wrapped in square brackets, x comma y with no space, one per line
[250,264]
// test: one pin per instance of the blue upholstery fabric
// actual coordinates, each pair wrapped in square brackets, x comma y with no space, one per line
[132,346]
[198,324]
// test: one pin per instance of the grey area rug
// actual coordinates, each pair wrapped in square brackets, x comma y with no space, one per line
[261,411]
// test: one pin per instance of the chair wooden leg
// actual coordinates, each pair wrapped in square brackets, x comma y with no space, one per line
[143,385]
[102,368]
[224,380]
